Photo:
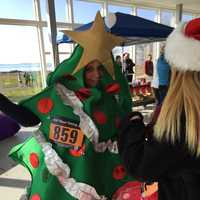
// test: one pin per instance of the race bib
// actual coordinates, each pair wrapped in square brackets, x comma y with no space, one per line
[66,132]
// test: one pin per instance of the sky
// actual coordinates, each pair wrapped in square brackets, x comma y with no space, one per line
[20,44]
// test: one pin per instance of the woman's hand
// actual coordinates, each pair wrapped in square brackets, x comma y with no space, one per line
[129,118]
[136,117]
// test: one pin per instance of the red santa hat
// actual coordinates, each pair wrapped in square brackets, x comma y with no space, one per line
[182,49]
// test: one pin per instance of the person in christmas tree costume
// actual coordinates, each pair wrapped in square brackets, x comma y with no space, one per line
[74,153]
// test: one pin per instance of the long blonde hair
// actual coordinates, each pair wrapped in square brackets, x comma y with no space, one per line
[183,96]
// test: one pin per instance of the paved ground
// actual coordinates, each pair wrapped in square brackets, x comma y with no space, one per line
[13,177]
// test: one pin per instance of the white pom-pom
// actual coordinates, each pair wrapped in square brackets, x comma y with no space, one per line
[110,20]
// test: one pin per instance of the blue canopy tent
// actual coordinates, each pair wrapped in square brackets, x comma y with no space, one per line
[135,29]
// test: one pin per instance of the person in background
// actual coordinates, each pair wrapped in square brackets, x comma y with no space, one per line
[163,70]
[155,85]
[27,78]
[170,152]
[19,78]
[118,61]
[128,66]
[31,78]
[148,67]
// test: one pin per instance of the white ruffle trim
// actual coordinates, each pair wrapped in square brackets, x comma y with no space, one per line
[54,163]
[69,98]
[62,171]
[103,146]
[86,124]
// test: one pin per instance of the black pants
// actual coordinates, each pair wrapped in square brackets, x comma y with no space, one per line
[129,77]
[162,93]
[156,94]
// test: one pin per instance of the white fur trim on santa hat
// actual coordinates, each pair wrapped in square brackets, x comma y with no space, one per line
[182,52]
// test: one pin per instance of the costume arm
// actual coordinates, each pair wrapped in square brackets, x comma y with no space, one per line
[21,114]
[147,160]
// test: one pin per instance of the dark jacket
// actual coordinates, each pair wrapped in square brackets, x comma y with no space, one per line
[148,67]
[129,66]
[171,165]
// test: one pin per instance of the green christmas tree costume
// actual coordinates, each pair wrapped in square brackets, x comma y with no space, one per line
[75,148]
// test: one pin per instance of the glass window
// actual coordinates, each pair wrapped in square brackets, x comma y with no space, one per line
[13,9]
[129,50]
[49,64]
[186,17]
[60,9]
[116,8]
[47,43]
[43,9]
[81,15]
[65,47]
[143,50]
[117,51]
[63,57]
[20,62]
[147,13]
[120,50]
[167,18]
[62,48]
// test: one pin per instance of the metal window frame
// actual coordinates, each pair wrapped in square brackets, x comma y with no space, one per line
[39,24]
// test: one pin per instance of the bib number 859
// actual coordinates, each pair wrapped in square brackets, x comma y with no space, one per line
[65,134]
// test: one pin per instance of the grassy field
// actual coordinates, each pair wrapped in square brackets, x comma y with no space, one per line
[16,90]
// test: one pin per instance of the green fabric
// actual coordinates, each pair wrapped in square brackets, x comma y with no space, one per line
[95,169]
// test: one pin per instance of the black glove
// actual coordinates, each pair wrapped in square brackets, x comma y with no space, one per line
[17,112]
[129,118]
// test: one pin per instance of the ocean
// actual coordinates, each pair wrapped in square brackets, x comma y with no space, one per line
[23,67]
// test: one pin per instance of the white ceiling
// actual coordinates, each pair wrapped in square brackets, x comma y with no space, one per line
[186,3]
[179,1]
[190,5]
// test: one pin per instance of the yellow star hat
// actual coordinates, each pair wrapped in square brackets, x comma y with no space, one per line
[97,45]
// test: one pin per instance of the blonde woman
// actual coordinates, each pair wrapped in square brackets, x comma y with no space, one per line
[170,155]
